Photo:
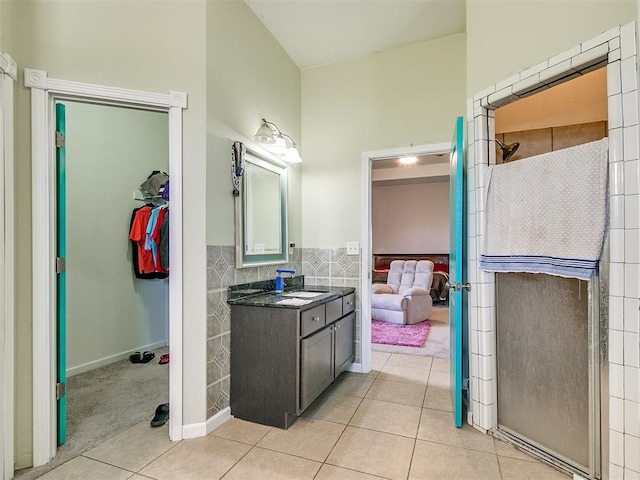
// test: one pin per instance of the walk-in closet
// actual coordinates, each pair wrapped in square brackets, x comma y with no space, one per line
[108,159]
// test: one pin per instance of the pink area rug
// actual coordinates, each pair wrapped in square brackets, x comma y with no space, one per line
[394,334]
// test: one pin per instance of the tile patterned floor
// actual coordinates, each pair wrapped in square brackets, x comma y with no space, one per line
[393,423]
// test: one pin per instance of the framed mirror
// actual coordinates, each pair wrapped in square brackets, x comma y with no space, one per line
[261,213]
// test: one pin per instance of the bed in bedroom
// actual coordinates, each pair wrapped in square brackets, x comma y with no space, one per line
[382,262]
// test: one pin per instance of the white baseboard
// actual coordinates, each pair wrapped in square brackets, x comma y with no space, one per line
[194,430]
[101,362]
[355,367]
[218,419]
[202,429]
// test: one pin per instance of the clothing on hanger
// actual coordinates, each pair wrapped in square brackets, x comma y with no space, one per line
[155,182]
[144,262]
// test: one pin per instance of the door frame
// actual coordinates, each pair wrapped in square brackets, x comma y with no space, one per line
[365,276]
[8,75]
[45,92]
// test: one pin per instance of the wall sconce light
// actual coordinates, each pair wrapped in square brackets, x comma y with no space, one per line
[270,136]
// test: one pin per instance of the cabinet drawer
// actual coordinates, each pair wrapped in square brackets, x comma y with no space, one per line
[312,320]
[334,310]
[348,303]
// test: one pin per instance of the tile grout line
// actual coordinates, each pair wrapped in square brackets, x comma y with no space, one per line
[175,444]
[497,457]
[415,440]
[345,428]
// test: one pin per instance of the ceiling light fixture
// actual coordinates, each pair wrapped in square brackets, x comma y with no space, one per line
[278,143]
[408,160]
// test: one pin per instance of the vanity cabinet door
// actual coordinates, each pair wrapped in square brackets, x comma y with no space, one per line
[344,342]
[316,365]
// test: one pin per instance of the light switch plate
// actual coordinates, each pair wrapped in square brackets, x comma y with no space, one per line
[353,248]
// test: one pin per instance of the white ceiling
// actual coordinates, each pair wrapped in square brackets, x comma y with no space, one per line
[320,32]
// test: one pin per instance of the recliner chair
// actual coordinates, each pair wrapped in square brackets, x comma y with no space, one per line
[405,298]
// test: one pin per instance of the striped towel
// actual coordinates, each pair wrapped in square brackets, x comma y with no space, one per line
[548,213]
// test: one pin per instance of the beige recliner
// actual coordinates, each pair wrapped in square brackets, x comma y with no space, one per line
[405,298]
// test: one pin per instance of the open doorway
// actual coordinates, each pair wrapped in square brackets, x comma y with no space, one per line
[545,125]
[44,94]
[406,218]
[110,311]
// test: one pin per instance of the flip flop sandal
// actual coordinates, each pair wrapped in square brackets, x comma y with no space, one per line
[147,357]
[135,357]
[161,416]
[164,359]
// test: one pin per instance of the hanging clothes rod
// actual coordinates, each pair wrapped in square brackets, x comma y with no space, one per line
[150,197]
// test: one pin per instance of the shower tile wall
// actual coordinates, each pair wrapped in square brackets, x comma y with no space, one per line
[544,140]
[321,266]
[617,49]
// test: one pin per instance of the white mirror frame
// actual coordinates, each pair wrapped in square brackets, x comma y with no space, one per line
[242,259]
[44,92]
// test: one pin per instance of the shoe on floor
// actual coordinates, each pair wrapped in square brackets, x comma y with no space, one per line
[147,357]
[161,416]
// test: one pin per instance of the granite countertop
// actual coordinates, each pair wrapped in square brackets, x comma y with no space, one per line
[256,297]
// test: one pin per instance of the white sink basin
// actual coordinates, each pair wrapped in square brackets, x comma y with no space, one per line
[302,294]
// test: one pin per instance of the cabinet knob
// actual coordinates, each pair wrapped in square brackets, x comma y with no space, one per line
[316,319]
[338,326]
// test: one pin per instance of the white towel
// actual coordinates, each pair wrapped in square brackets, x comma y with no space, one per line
[548,213]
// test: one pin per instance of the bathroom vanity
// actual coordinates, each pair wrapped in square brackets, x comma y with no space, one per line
[286,349]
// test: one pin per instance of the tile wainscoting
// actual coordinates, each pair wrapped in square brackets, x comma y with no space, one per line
[320,266]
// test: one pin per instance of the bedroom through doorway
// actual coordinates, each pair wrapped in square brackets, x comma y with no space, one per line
[409,222]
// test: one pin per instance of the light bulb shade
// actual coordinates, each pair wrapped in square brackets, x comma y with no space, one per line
[408,160]
[279,146]
[292,156]
[264,135]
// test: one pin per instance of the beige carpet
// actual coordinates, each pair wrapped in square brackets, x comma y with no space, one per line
[437,344]
[104,402]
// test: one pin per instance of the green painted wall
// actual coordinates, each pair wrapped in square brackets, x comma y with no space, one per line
[249,77]
[395,98]
[110,152]
[6,26]
[505,38]
[131,44]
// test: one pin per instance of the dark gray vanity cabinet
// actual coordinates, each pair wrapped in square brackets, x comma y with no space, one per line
[282,359]
[344,342]
[316,365]
[324,356]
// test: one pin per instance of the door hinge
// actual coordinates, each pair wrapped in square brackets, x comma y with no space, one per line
[60,390]
[60,265]
[59,139]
